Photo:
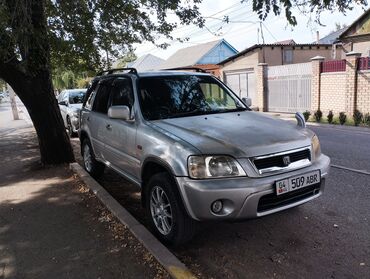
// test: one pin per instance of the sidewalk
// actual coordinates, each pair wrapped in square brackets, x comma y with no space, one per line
[50,226]
[291,117]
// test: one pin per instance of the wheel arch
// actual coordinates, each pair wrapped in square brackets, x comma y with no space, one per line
[150,167]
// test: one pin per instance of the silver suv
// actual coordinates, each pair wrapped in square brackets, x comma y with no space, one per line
[196,150]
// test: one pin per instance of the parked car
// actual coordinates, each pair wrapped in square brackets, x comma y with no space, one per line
[70,103]
[196,150]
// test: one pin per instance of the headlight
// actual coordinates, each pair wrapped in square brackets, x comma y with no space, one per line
[75,114]
[214,167]
[316,149]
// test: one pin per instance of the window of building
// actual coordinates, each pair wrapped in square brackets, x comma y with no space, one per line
[288,56]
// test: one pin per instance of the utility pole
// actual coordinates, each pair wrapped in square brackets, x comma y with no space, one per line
[13,103]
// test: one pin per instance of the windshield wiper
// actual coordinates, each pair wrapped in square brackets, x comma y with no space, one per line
[190,113]
[229,110]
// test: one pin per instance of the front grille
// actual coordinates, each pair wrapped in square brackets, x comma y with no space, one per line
[272,201]
[277,161]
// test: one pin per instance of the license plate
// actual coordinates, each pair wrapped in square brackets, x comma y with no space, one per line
[297,182]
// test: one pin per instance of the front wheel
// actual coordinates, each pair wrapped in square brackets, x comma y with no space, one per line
[91,165]
[166,212]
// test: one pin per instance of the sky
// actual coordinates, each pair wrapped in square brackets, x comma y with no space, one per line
[246,31]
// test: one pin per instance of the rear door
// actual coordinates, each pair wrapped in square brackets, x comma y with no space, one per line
[120,134]
[97,119]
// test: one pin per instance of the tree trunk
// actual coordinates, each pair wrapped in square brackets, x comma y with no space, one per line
[37,95]
[26,67]
[54,143]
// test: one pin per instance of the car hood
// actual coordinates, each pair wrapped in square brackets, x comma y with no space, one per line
[240,134]
[76,107]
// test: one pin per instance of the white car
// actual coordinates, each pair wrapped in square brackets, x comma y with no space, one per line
[70,103]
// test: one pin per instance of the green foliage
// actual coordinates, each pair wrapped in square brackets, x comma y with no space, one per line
[306,115]
[86,35]
[264,7]
[357,117]
[83,82]
[342,118]
[330,117]
[318,115]
[366,119]
[126,58]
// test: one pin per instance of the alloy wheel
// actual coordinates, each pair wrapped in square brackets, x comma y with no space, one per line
[87,158]
[161,211]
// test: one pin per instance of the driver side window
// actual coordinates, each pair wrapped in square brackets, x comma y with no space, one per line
[121,93]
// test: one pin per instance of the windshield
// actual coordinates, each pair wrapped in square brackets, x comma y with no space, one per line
[77,97]
[179,96]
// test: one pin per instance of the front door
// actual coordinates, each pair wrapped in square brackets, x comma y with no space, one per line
[121,135]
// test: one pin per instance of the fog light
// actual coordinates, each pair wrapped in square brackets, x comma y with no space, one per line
[216,206]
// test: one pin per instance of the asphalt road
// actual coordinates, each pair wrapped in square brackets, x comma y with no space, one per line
[326,238]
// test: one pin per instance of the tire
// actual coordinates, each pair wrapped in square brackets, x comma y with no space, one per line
[91,165]
[182,227]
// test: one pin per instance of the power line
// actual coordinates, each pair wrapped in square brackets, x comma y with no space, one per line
[269,32]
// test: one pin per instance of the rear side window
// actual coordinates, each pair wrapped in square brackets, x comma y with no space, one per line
[102,98]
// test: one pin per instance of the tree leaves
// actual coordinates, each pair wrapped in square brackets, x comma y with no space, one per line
[311,7]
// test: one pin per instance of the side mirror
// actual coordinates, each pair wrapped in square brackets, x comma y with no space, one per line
[63,103]
[119,112]
[247,101]
[301,122]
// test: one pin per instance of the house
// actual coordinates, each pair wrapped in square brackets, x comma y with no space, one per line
[147,62]
[356,37]
[239,71]
[205,56]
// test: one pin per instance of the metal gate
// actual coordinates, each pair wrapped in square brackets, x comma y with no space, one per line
[243,83]
[289,87]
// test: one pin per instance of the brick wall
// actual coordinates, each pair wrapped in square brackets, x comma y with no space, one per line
[363,91]
[333,92]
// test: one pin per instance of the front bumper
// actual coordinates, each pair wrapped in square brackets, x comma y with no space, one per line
[241,196]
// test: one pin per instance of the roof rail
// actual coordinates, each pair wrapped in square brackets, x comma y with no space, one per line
[111,71]
[198,70]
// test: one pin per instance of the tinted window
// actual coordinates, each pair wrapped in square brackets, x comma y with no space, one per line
[121,93]
[179,96]
[101,98]
[76,97]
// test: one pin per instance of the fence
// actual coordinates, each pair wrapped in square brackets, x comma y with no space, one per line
[343,85]
[364,63]
[333,66]
[289,87]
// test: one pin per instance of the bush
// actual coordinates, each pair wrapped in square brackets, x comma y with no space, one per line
[366,119]
[357,117]
[342,118]
[318,115]
[306,115]
[330,117]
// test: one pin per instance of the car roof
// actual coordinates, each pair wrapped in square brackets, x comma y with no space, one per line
[153,74]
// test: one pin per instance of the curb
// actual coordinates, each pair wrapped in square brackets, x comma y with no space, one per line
[169,261]
[340,127]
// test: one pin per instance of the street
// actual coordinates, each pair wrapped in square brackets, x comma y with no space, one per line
[326,238]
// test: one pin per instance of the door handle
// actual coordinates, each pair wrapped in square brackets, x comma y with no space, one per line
[88,118]
[108,126]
